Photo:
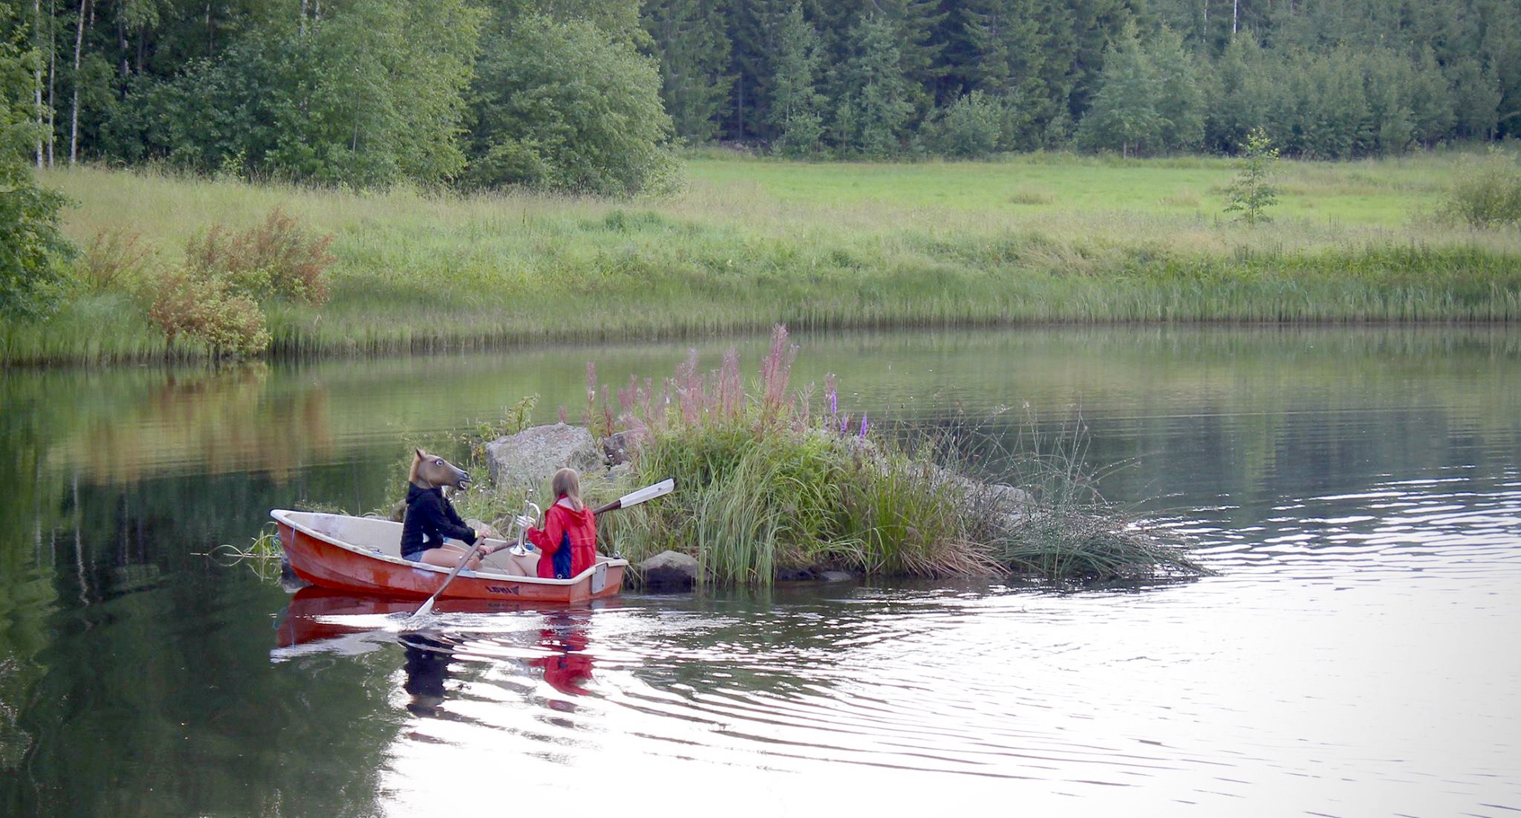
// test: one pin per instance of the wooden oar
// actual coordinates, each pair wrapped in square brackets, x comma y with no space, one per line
[427,607]
[660,489]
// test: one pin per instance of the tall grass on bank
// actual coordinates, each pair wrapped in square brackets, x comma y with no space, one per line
[756,243]
[1057,524]
[766,483]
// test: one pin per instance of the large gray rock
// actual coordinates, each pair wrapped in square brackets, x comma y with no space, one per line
[669,571]
[532,456]
[1016,502]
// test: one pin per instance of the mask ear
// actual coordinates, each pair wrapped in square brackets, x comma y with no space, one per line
[420,455]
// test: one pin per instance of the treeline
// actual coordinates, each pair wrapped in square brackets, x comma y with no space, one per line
[586,95]
[1324,78]
[347,92]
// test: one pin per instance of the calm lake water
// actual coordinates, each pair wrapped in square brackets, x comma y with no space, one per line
[1358,491]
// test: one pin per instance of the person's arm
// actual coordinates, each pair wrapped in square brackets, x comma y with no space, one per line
[449,524]
[548,538]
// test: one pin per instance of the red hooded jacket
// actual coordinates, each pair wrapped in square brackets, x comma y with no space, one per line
[567,543]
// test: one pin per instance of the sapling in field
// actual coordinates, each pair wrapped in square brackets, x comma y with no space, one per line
[1252,193]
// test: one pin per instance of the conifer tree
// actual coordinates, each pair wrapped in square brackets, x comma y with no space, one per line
[872,95]
[1124,112]
[1430,100]
[795,99]
[692,47]
[1179,101]
[1003,58]
[1241,98]
[754,26]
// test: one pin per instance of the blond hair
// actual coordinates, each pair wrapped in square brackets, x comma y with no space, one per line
[567,484]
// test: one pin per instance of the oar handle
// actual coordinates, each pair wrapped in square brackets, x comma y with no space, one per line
[613,506]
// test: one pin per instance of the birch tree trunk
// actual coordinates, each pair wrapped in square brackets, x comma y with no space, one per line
[37,75]
[121,44]
[84,9]
[52,80]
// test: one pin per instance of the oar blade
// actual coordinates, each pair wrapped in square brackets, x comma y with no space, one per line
[660,489]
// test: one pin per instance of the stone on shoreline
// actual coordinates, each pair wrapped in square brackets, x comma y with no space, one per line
[532,456]
[813,574]
[669,571]
[616,447]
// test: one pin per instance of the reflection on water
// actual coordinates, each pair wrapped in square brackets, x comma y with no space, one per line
[427,668]
[1358,491]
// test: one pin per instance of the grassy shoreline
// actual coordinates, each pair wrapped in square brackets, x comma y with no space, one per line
[753,243]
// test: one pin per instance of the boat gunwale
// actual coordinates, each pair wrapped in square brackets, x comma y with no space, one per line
[279,516]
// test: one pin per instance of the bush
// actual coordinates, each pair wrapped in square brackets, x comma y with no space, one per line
[1488,194]
[114,259]
[970,128]
[562,106]
[33,250]
[276,258]
[207,309]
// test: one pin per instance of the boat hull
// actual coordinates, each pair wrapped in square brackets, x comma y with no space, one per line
[360,555]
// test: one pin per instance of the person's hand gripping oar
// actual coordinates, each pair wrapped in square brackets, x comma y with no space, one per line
[427,607]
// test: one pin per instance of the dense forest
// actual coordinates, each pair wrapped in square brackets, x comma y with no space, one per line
[584,95]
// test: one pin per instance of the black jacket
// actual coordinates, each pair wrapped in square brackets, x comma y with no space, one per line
[430,518]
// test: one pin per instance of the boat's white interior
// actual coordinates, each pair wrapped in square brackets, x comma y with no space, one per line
[381,539]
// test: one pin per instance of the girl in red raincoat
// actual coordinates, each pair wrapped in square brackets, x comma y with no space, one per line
[568,541]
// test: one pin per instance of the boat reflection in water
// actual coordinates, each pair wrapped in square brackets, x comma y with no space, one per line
[322,620]
[567,666]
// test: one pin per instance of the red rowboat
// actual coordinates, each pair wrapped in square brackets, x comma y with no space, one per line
[364,555]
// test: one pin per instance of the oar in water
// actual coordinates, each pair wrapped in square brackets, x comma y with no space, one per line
[427,607]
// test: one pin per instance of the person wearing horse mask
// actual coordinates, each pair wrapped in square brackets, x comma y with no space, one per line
[431,517]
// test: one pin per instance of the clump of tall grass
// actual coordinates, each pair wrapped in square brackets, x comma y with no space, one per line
[768,482]
[1056,524]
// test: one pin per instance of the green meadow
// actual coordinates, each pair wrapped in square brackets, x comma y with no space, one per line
[748,243]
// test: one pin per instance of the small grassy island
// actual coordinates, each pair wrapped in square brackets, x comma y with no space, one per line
[777,483]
